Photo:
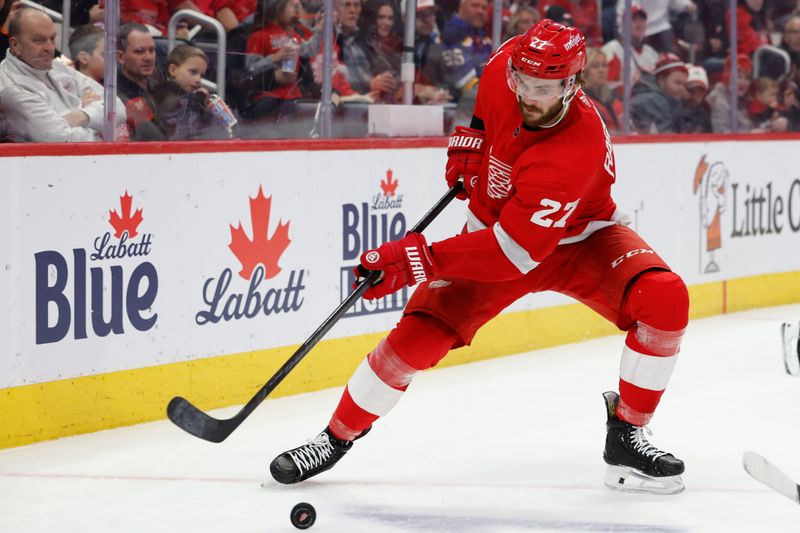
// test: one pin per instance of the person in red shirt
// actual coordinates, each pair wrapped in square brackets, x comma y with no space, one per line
[538,165]
[276,38]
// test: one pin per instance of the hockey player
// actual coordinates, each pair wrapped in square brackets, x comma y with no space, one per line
[538,166]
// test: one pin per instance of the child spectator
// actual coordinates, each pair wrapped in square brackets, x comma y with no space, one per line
[86,47]
[276,36]
[763,108]
[182,103]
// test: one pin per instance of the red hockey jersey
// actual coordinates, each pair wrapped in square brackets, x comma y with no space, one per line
[538,188]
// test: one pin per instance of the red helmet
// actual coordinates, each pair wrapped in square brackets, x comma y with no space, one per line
[550,50]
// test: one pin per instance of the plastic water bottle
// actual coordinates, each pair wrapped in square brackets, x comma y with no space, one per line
[290,63]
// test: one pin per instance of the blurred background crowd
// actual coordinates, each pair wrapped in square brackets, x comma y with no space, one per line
[220,69]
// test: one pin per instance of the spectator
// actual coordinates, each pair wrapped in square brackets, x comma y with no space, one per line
[465,48]
[791,105]
[584,15]
[657,105]
[182,103]
[763,107]
[720,101]
[355,56]
[713,16]
[644,56]
[429,82]
[136,55]
[791,38]
[521,21]
[659,32]
[751,27]
[86,48]
[46,101]
[277,38]
[597,88]
[152,13]
[382,46]
[698,116]
[222,10]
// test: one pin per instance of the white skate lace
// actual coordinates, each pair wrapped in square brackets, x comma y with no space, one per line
[640,443]
[313,454]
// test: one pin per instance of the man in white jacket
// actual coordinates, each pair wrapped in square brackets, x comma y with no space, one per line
[45,100]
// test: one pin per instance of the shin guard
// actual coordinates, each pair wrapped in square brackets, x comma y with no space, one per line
[418,342]
[659,304]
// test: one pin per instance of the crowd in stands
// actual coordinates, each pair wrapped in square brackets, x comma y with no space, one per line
[679,82]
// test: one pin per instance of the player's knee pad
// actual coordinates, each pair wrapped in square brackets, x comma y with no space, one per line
[421,341]
[658,301]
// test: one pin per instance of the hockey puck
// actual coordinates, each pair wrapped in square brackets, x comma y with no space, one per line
[303,515]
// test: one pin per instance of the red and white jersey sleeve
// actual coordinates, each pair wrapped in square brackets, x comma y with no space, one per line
[538,188]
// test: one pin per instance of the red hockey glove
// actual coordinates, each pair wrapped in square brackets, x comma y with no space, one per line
[402,263]
[464,158]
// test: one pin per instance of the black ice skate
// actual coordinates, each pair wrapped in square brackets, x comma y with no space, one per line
[633,463]
[314,457]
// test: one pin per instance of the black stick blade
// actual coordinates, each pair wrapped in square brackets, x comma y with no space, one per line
[195,422]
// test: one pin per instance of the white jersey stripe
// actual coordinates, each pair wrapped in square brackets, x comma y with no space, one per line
[515,253]
[473,222]
[370,393]
[651,372]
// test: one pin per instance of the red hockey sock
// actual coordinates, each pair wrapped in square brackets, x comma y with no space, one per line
[418,342]
[659,303]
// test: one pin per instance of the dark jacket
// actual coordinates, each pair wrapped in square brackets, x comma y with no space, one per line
[653,111]
[141,110]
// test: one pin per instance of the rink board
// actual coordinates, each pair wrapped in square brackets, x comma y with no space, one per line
[100,330]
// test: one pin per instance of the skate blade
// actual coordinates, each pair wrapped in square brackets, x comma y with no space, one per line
[791,348]
[630,480]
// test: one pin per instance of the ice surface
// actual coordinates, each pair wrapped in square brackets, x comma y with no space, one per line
[512,444]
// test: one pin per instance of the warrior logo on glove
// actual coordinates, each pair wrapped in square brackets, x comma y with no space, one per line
[403,263]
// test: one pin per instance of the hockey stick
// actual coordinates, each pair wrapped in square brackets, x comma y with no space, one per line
[770,475]
[192,420]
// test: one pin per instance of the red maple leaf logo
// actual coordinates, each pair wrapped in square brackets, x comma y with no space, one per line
[389,187]
[125,222]
[262,249]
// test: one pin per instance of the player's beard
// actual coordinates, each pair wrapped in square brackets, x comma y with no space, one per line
[534,115]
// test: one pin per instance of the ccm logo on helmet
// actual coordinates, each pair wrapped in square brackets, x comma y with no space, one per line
[572,43]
